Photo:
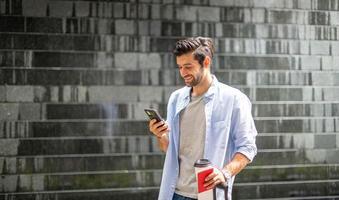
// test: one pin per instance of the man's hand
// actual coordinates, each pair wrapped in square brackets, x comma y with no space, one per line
[161,130]
[158,128]
[238,162]
[213,179]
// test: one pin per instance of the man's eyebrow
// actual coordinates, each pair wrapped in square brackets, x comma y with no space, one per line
[185,64]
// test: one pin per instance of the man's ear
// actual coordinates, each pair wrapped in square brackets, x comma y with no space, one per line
[207,61]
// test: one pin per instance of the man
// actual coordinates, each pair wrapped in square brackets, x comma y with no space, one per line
[205,119]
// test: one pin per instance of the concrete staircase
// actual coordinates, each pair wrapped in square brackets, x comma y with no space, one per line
[76,75]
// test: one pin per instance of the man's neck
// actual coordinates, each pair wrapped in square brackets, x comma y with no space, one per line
[203,86]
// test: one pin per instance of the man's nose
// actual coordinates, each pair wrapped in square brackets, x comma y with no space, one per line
[183,72]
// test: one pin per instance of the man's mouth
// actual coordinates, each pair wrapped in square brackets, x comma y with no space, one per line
[188,78]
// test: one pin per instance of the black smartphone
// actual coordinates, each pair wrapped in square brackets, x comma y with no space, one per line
[153,114]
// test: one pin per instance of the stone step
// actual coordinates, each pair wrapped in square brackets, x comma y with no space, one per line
[285,125]
[99,127]
[69,128]
[287,189]
[83,163]
[155,46]
[59,77]
[126,111]
[134,111]
[161,10]
[152,178]
[143,193]
[80,163]
[51,111]
[255,46]
[273,173]
[319,189]
[139,60]
[304,197]
[153,94]
[140,161]
[105,180]
[148,144]
[93,77]
[260,26]
[281,5]
[290,110]
[244,11]
[59,146]
[161,77]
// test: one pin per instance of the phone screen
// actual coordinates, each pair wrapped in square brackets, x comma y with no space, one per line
[153,114]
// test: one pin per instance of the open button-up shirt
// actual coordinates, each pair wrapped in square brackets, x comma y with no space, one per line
[229,129]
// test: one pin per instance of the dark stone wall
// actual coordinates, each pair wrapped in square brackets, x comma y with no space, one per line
[75,76]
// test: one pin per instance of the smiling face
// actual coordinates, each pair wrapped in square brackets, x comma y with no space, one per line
[190,69]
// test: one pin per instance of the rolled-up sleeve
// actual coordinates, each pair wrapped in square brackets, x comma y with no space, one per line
[243,130]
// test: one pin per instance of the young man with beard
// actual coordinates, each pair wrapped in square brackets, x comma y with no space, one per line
[205,119]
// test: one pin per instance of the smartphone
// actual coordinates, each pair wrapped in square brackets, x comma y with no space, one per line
[153,114]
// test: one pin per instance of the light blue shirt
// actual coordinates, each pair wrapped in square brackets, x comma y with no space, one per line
[229,129]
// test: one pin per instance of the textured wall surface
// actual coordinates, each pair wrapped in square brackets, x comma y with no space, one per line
[75,76]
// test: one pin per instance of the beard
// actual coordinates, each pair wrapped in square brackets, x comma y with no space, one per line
[193,80]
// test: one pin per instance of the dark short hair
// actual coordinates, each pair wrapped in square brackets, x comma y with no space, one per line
[200,46]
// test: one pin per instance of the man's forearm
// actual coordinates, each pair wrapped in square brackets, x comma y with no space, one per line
[237,164]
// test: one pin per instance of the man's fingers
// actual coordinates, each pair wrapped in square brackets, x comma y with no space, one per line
[153,124]
[213,179]
[208,183]
[158,128]
[210,176]
[159,124]
[210,179]
[213,184]
[163,127]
